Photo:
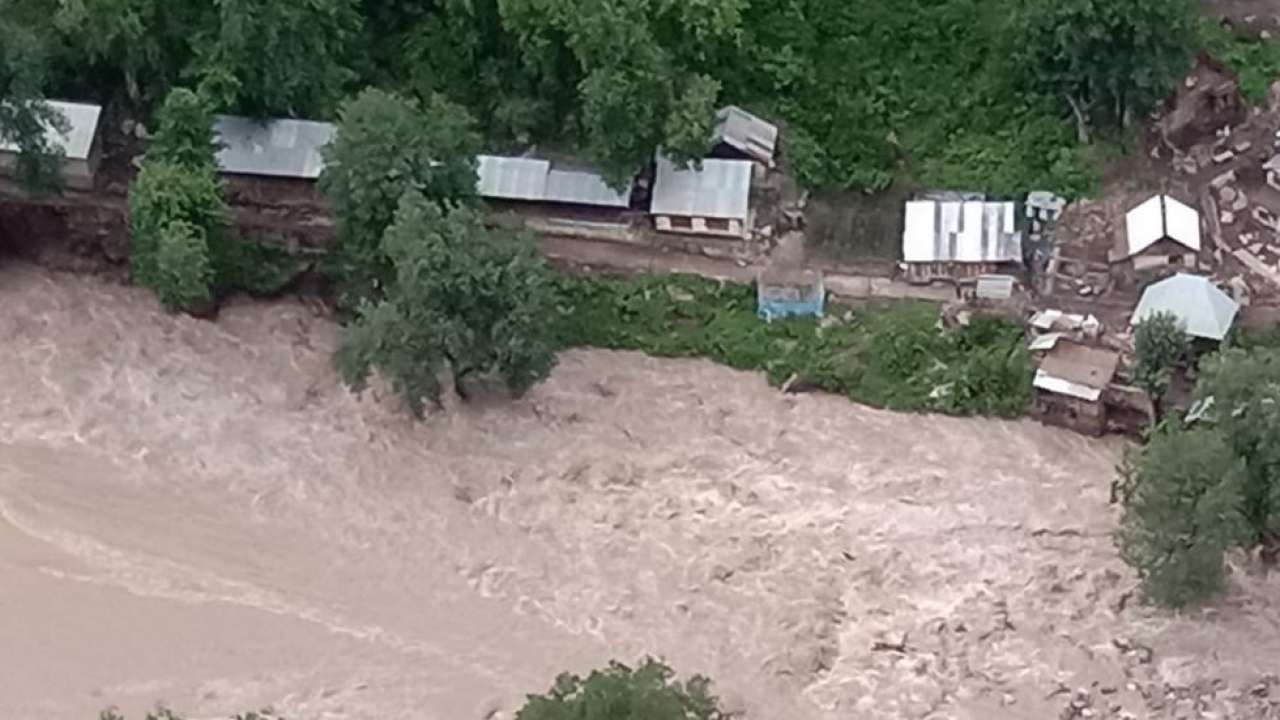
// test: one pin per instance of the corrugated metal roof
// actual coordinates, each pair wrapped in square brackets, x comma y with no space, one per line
[509,178]
[82,119]
[1158,218]
[1205,310]
[746,132]
[1077,370]
[721,189]
[960,232]
[530,179]
[274,148]
[584,188]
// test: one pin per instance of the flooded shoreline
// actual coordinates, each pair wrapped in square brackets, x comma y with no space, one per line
[200,514]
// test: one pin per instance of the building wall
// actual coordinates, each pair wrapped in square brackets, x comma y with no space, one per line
[1089,418]
[718,227]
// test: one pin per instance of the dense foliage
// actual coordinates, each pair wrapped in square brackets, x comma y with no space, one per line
[1245,387]
[619,692]
[1182,513]
[1192,493]
[1107,59]
[177,214]
[1160,342]
[387,146]
[465,299]
[892,357]
[979,94]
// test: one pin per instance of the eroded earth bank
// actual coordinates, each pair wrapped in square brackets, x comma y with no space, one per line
[200,514]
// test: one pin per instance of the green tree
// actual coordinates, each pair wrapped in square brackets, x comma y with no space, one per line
[279,57]
[184,132]
[1245,389]
[24,117]
[1181,513]
[183,271]
[145,46]
[641,73]
[385,146]
[1160,342]
[165,194]
[465,298]
[1105,60]
[618,692]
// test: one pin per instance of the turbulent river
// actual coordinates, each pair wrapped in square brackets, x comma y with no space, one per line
[199,514]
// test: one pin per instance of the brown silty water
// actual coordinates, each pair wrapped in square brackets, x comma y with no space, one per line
[199,514]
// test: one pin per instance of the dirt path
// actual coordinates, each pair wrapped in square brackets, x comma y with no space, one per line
[199,514]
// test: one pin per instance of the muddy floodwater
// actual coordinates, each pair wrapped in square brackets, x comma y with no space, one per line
[199,514]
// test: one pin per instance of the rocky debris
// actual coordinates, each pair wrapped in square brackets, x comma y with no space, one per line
[1228,194]
[1210,99]
[1221,181]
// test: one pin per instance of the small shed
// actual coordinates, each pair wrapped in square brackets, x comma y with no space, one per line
[1159,232]
[79,144]
[283,148]
[739,134]
[535,180]
[1069,384]
[713,200]
[1204,309]
[789,293]
[959,239]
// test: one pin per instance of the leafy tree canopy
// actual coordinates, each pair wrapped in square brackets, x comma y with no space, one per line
[1160,342]
[1245,388]
[279,57]
[1182,512]
[183,134]
[619,692]
[638,71]
[465,299]
[1105,59]
[386,146]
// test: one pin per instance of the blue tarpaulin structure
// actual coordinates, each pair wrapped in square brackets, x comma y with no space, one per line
[795,293]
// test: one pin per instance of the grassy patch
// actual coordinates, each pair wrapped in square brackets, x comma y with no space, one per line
[1257,62]
[892,357]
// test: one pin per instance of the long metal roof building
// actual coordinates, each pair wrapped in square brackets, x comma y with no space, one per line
[82,121]
[531,179]
[961,232]
[274,148]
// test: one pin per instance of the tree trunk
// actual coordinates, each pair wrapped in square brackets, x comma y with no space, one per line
[1082,121]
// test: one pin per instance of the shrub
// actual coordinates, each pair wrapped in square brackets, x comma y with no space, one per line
[167,194]
[1181,513]
[618,692]
[183,273]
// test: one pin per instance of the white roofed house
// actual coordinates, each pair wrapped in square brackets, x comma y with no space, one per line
[713,200]
[1160,232]
[533,182]
[274,161]
[1203,309]
[79,144]
[739,134]
[960,239]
